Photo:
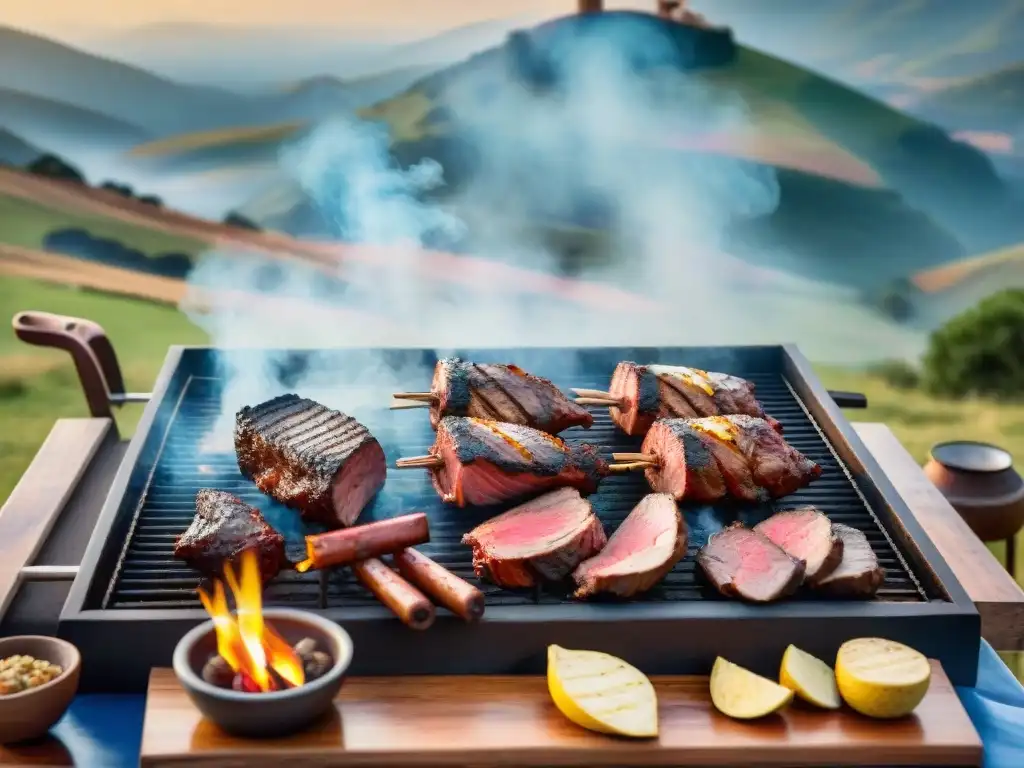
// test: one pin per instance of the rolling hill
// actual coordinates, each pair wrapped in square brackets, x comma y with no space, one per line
[991,102]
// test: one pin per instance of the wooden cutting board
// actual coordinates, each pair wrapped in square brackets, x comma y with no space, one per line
[510,721]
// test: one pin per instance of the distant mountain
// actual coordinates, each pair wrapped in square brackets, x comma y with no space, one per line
[993,102]
[249,58]
[888,48]
[63,127]
[16,151]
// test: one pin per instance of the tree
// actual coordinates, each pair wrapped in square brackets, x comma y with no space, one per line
[981,351]
[235,219]
[54,167]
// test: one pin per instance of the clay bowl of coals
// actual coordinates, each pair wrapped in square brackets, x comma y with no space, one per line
[34,694]
[980,483]
[232,703]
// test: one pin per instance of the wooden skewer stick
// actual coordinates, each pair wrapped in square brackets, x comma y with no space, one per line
[632,466]
[422,397]
[650,458]
[594,393]
[595,401]
[399,405]
[420,462]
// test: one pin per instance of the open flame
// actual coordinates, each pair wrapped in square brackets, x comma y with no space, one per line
[245,641]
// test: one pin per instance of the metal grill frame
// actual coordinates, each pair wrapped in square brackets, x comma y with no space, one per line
[120,645]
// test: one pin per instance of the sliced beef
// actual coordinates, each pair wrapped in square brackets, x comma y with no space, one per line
[646,546]
[649,392]
[311,458]
[807,535]
[504,393]
[487,462]
[710,458]
[223,528]
[541,540]
[743,563]
[858,573]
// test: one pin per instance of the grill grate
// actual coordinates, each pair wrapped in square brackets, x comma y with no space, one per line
[148,576]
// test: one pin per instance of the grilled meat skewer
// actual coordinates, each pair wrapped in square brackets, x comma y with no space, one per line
[499,392]
[311,458]
[224,527]
[639,394]
[476,462]
[711,458]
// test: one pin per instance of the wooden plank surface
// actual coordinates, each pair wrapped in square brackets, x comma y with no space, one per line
[998,597]
[37,500]
[506,721]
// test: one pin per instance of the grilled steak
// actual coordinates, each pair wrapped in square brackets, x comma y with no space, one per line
[650,392]
[321,462]
[502,393]
[807,535]
[858,574]
[743,563]
[486,462]
[646,546]
[223,528]
[541,540]
[710,458]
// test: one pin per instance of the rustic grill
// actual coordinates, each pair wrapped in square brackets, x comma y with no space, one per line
[131,587]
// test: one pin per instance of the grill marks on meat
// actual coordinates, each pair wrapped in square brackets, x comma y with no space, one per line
[309,457]
[541,540]
[645,547]
[504,393]
[743,563]
[710,458]
[807,535]
[223,528]
[650,392]
[858,573]
[487,462]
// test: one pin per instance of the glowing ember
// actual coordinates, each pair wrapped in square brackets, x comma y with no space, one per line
[245,641]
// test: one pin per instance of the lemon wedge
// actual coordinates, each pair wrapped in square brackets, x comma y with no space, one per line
[739,693]
[602,693]
[881,678]
[810,678]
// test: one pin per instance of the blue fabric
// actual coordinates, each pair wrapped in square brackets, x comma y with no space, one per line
[996,707]
[104,731]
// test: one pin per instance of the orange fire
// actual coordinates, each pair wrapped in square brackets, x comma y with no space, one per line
[245,641]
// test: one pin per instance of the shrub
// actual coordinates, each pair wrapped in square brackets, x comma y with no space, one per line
[151,200]
[981,351]
[55,167]
[898,374]
[234,219]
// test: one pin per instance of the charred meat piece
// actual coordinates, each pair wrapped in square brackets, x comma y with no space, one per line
[646,546]
[858,574]
[710,458]
[504,393]
[807,535]
[541,540]
[649,392]
[223,528]
[743,563]
[487,462]
[311,458]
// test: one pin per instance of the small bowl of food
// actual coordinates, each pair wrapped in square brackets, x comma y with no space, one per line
[38,680]
[268,688]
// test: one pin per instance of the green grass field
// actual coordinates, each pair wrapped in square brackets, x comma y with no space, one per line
[27,223]
[38,386]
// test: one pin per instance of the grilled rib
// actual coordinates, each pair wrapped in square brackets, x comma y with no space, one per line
[223,528]
[311,458]
[649,392]
[710,458]
[503,393]
[487,462]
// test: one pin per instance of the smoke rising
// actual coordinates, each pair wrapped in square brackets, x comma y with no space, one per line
[569,128]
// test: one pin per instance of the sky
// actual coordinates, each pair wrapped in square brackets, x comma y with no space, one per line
[109,15]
